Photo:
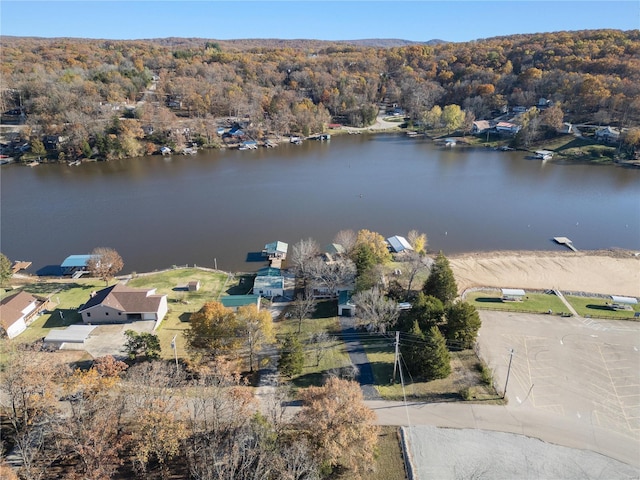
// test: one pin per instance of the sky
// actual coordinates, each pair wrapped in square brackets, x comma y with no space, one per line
[416,20]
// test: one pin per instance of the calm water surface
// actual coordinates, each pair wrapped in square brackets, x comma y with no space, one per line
[160,211]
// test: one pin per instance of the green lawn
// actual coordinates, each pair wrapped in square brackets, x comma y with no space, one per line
[182,303]
[533,302]
[599,307]
[389,461]
[65,297]
[335,355]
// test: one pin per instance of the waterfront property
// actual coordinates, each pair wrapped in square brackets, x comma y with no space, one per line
[275,250]
[398,244]
[75,265]
[122,304]
[18,311]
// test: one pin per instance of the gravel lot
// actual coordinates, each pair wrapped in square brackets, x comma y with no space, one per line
[442,454]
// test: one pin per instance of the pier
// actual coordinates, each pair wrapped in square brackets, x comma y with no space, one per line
[566,242]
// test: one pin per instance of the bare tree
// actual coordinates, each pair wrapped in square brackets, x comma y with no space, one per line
[104,263]
[375,309]
[415,264]
[303,307]
[332,275]
[346,238]
[302,253]
[320,342]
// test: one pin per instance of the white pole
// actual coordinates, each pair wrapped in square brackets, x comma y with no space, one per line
[175,349]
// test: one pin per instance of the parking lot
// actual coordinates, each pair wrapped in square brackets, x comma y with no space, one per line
[577,368]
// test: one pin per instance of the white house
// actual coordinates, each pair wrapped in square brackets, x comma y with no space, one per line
[17,311]
[268,286]
[607,134]
[507,127]
[122,304]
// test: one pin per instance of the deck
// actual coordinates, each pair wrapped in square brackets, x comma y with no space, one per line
[566,242]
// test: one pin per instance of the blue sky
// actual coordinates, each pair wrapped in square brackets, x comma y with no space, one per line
[417,20]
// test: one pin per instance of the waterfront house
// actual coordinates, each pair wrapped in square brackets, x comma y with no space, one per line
[18,311]
[122,304]
[507,128]
[268,286]
[607,135]
[480,126]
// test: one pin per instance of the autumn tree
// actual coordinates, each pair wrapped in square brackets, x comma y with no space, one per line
[441,283]
[462,325]
[376,243]
[6,271]
[375,309]
[338,425]
[90,432]
[418,241]
[104,263]
[213,330]
[256,328]
[452,117]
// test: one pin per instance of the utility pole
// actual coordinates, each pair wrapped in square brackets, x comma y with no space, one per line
[175,350]
[508,372]
[397,355]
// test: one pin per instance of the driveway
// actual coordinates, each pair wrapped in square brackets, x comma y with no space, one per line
[110,339]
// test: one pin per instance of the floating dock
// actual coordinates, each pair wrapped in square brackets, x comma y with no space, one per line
[566,242]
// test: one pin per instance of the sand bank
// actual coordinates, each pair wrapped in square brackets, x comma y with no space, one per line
[609,272]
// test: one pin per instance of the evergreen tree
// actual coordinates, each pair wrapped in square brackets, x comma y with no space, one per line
[427,310]
[426,355]
[5,269]
[291,356]
[441,282]
[463,323]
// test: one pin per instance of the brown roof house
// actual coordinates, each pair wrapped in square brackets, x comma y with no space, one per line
[17,311]
[122,304]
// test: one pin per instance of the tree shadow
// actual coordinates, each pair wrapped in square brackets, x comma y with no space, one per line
[245,283]
[326,309]
[601,307]
[50,288]
[185,317]
[488,300]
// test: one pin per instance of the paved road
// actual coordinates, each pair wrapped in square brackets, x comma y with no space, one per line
[358,358]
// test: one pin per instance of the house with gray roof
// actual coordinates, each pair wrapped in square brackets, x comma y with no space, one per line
[398,244]
[122,304]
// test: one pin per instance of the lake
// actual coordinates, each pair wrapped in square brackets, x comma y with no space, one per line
[216,207]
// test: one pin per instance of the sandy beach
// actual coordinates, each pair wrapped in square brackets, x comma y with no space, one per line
[607,272]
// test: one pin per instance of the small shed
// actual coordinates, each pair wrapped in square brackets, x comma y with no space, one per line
[512,294]
[346,308]
[193,286]
[275,249]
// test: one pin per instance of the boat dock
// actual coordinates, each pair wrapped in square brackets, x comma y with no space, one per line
[566,242]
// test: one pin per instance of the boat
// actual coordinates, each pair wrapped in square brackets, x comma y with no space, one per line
[33,163]
[450,142]
[75,163]
[165,150]
[296,140]
[543,155]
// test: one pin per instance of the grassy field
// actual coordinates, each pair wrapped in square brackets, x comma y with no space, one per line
[181,302]
[533,302]
[335,355]
[600,307]
[389,462]
[467,376]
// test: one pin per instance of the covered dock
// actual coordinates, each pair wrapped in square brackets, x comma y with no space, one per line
[623,303]
[513,294]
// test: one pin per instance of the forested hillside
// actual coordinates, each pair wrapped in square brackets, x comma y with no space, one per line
[108,98]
